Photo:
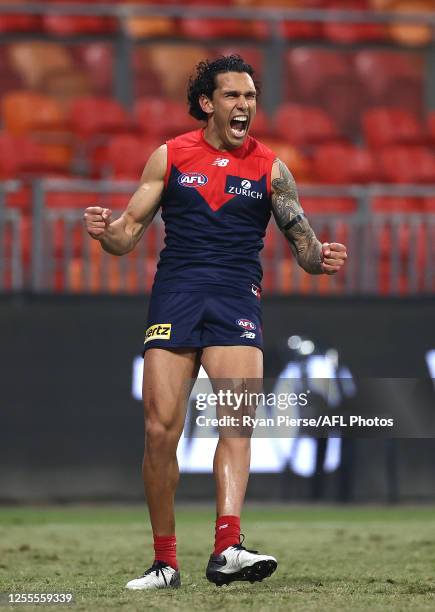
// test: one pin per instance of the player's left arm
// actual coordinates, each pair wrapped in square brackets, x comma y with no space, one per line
[311,255]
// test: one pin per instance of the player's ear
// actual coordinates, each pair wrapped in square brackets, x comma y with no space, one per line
[206,104]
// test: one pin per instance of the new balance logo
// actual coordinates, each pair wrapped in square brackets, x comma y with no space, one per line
[221,161]
[223,526]
[248,334]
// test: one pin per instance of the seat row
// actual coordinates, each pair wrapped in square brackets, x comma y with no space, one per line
[98,136]
[202,29]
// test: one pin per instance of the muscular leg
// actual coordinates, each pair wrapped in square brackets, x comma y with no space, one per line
[164,395]
[233,455]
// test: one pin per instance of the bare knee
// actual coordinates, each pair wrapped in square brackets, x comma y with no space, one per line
[160,437]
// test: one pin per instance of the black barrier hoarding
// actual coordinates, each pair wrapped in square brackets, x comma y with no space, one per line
[72,422]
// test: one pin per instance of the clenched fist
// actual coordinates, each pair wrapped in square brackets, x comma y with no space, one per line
[334,255]
[97,220]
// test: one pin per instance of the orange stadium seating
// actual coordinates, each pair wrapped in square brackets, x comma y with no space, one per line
[352,113]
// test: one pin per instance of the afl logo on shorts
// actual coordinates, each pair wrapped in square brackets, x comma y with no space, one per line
[246,324]
[192,179]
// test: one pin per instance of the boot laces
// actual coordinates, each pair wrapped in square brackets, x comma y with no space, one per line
[241,547]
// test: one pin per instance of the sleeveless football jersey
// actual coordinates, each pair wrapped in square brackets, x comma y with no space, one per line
[216,206]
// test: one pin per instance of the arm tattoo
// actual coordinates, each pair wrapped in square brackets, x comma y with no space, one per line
[290,218]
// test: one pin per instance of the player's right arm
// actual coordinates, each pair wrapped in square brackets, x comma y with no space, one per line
[121,236]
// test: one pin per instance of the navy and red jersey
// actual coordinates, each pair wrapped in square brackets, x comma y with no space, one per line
[216,207]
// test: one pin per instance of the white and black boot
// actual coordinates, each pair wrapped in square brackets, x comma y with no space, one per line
[238,563]
[158,576]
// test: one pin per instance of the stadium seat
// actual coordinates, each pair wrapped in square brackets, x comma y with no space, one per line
[9,78]
[429,205]
[385,126]
[304,125]
[411,34]
[431,125]
[309,70]
[24,111]
[251,54]
[205,29]
[327,206]
[349,33]
[96,60]
[406,164]
[162,118]
[299,165]
[391,78]
[163,57]
[125,156]
[344,163]
[18,22]
[70,25]
[67,85]
[290,30]
[145,27]
[34,60]
[262,127]
[21,157]
[325,76]
[92,116]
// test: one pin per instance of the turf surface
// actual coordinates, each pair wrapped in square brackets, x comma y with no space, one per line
[329,558]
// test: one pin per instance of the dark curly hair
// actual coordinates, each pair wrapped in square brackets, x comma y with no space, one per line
[203,81]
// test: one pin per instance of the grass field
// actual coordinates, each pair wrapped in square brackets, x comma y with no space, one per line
[329,558]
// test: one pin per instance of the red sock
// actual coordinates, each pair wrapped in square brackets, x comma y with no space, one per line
[165,549]
[227,532]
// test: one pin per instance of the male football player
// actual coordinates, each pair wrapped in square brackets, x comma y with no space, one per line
[217,188]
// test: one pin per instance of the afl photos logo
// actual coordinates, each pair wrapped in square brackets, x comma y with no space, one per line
[192,179]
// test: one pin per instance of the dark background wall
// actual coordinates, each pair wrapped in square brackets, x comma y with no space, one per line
[70,429]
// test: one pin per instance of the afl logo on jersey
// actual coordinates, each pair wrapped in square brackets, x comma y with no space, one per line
[246,324]
[192,179]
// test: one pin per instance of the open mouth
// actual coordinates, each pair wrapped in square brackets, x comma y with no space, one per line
[239,126]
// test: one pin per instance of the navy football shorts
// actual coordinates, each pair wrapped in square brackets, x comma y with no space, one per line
[200,318]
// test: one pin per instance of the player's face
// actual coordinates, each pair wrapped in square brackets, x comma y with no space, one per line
[233,107]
